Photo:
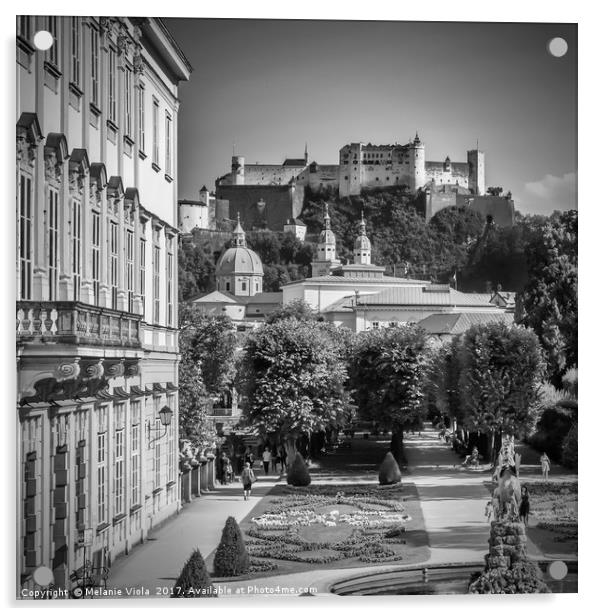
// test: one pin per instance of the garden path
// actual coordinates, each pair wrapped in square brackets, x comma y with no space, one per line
[158,561]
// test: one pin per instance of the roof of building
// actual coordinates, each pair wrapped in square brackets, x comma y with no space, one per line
[294,162]
[269,297]
[458,323]
[435,295]
[217,297]
[358,279]
[295,221]
[239,260]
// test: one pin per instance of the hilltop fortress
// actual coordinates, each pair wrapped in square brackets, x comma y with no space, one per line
[271,195]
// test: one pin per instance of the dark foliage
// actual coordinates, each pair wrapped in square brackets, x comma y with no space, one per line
[389,472]
[298,473]
[194,580]
[231,557]
[570,448]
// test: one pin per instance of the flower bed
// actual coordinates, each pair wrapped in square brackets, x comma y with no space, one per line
[323,524]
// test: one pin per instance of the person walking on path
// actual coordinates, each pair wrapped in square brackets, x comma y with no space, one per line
[247,478]
[488,510]
[545,466]
[282,456]
[524,508]
[275,459]
[267,458]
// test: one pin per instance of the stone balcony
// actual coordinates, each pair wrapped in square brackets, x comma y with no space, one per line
[76,323]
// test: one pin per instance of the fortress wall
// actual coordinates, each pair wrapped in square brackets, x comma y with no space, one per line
[499,208]
[270,174]
[436,172]
[435,202]
[281,203]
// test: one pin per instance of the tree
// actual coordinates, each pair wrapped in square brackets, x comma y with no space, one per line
[293,375]
[231,557]
[386,375]
[298,473]
[548,304]
[194,580]
[211,342]
[297,308]
[389,472]
[501,372]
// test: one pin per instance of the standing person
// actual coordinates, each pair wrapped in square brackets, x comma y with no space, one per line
[525,507]
[283,464]
[545,466]
[275,459]
[225,462]
[247,477]
[488,510]
[267,458]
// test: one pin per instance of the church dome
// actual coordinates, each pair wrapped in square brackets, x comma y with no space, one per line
[327,237]
[362,243]
[239,260]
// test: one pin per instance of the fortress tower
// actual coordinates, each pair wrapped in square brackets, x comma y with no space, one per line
[476,171]
[417,164]
[238,170]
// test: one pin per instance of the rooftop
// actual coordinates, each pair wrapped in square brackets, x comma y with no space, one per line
[425,296]
[458,323]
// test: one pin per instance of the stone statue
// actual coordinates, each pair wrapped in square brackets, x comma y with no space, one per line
[508,485]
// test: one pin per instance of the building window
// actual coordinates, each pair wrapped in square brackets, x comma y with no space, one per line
[129,267]
[52,55]
[76,246]
[101,478]
[171,462]
[112,85]
[53,239]
[157,456]
[142,270]
[141,119]
[113,262]
[167,144]
[96,256]
[118,460]
[135,452]
[128,101]
[24,26]
[155,132]
[170,310]
[25,232]
[95,68]
[75,51]
[227,286]
[243,286]
[156,283]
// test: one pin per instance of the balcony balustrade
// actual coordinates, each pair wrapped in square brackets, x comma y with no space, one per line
[76,323]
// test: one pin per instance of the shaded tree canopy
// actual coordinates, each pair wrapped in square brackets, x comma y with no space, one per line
[294,377]
[548,304]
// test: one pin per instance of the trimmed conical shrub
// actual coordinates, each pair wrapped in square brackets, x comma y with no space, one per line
[389,472]
[231,557]
[298,474]
[194,580]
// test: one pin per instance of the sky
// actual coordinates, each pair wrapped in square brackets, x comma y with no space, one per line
[266,88]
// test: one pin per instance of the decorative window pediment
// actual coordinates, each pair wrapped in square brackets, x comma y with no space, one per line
[115,187]
[29,135]
[98,181]
[79,167]
[55,153]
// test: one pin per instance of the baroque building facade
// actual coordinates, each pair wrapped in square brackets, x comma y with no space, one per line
[97,344]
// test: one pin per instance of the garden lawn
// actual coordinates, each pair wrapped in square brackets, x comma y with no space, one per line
[334,526]
[553,518]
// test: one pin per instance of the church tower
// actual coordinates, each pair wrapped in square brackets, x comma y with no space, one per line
[362,249]
[327,250]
